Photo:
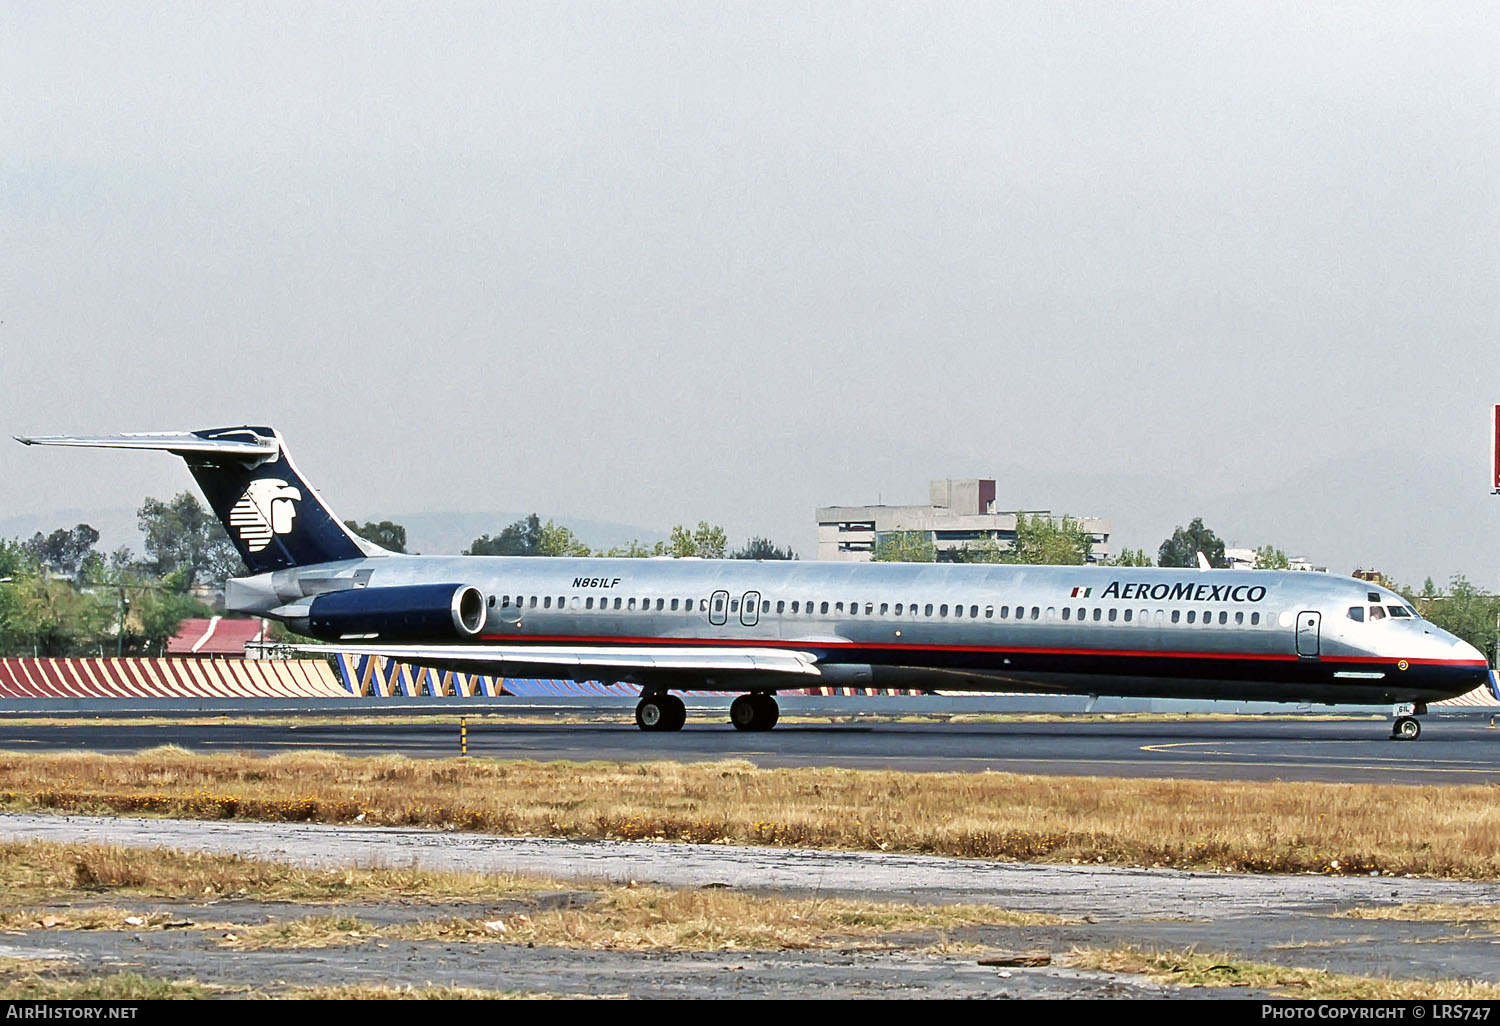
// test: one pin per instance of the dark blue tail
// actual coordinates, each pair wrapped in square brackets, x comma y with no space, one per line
[273,516]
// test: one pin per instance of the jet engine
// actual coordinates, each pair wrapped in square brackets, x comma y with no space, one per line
[418,612]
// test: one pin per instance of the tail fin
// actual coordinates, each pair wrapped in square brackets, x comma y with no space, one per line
[274,517]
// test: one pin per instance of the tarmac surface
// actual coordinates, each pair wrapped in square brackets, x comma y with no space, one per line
[1455,747]
[1288,920]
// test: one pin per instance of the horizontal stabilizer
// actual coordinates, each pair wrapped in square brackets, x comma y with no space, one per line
[646,659]
[248,445]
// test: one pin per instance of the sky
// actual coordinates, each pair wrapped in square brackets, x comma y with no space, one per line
[654,263]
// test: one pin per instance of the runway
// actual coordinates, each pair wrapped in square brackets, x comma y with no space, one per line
[1455,748]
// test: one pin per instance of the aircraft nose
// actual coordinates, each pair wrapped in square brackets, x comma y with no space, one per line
[1463,650]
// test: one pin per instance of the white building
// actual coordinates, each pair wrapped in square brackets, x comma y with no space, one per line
[959,512]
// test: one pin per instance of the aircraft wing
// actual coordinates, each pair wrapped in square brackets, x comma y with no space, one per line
[640,660]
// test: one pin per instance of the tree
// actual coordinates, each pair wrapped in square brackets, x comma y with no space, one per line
[905,547]
[182,535]
[557,540]
[1268,557]
[522,538]
[707,541]
[1129,557]
[762,548]
[1042,541]
[387,534]
[1467,613]
[635,550]
[1183,547]
[64,552]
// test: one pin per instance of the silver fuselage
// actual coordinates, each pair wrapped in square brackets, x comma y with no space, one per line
[1262,635]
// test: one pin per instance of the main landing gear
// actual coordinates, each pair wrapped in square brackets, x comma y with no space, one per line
[755,711]
[660,711]
[1406,727]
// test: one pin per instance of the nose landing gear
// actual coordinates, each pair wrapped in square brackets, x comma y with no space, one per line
[1406,727]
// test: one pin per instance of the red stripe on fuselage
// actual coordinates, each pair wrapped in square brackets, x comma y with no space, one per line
[631,642]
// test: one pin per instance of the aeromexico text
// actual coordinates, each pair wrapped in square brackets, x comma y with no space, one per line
[1184,592]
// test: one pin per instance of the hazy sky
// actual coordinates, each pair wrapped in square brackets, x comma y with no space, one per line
[656,263]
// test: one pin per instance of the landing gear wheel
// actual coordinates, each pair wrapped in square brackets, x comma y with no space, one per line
[754,712]
[1406,728]
[676,710]
[660,712]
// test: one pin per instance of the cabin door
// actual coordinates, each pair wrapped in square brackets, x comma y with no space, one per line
[1309,625]
[750,609]
[718,608]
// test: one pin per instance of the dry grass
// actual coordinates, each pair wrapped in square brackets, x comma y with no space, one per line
[1192,969]
[32,986]
[655,919]
[37,872]
[1272,827]
[1429,913]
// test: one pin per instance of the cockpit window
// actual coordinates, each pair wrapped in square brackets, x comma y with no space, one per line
[1373,596]
[1357,614]
[1400,611]
[1376,613]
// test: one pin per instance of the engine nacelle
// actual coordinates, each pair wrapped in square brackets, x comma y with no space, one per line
[417,612]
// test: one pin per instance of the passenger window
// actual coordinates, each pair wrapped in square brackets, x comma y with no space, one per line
[533,602]
[631,605]
[1005,612]
[1114,612]
[989,612]
[1177,615]
[734,605]
[1254,619]
[504,601]
[1239,618]
[780,606]
[588,603]
[869,608]
[838,607]
[943,609]
[824,607]
[794,607]
[1127,614]
[674,605]
[884,608]
[973,612]
[898,608]
[1097,614]
[1051,612]
[958,611]
[765,606]
[1223,617]
[1036,612]
[1192,613]
[618,601]
[927,610]
[1066,612]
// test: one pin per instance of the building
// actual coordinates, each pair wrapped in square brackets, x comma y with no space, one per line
[1246,559]
[958,513]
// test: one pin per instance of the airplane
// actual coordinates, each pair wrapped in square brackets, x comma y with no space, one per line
[759,627]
